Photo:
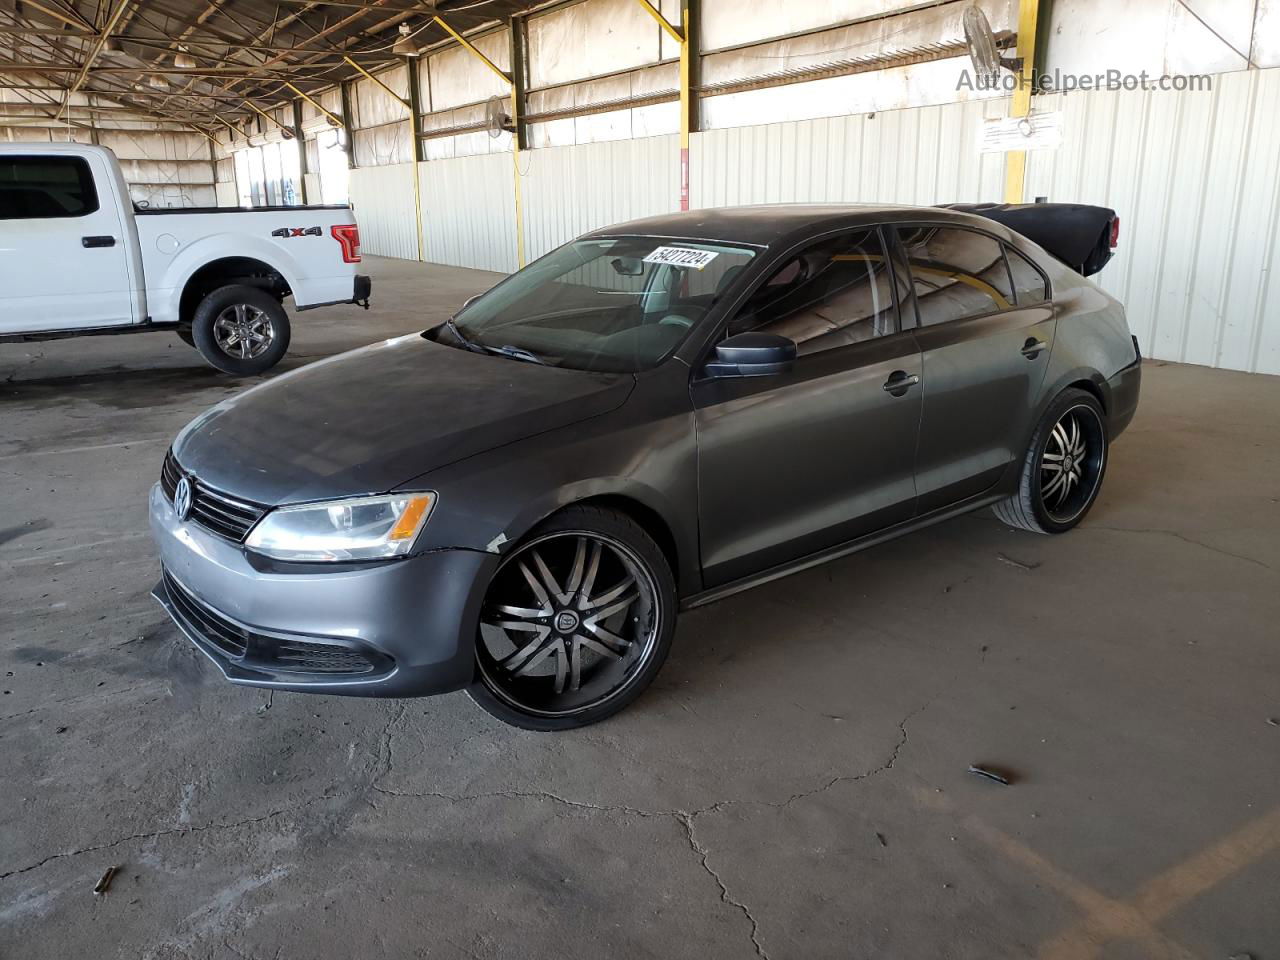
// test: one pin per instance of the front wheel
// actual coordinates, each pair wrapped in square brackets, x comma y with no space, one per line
[576,622]
[241,330]
[1063,468]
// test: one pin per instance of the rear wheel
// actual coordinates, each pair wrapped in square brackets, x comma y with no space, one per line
[241,330]
[576,622]
[1063,468]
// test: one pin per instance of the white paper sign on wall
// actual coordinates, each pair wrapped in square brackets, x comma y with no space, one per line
[1040,131]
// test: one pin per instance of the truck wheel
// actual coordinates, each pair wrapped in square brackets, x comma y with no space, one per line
[241,330]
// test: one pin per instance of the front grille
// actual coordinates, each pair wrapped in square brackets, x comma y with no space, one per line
[266,656]
[215,629]
[169,474]
[303,657]
[217,512]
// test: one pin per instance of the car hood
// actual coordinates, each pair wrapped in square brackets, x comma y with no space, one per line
[367,421]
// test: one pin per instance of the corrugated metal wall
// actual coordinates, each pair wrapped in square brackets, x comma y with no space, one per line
[469,212]
[570,190]
[1194,178]
[926,155]
[382,198]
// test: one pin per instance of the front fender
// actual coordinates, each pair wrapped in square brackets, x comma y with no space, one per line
[645,453]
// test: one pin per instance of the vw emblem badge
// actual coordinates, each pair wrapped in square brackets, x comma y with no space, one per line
[182,499]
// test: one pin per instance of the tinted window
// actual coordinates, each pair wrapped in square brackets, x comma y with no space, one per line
[34,188]
[956,273]
[1028,282]
[834,293]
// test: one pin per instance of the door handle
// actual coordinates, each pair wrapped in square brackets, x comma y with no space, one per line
[97,241]
[1032,348]
[900,382]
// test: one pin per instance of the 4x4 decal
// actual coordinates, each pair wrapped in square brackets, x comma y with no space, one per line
[297,232]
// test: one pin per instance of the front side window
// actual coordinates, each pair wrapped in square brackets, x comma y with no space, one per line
[956,273]
[835,293]
[617,304]
[40,188]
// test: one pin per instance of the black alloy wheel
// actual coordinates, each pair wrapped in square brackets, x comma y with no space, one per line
[575,623]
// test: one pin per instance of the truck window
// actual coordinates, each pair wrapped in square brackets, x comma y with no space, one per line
[39,188]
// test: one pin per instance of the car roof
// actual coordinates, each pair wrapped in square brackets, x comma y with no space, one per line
[765,225]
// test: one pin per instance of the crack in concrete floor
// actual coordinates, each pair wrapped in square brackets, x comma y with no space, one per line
[384,762]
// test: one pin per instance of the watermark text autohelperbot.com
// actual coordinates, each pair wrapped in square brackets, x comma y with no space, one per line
[1059,81]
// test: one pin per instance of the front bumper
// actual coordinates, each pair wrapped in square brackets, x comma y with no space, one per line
[397,629]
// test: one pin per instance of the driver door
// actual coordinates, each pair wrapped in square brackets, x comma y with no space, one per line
[793,463]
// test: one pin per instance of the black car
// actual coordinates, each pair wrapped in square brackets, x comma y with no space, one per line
[652,417]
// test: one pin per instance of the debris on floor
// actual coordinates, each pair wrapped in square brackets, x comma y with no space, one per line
[101,886]
[991,773]
[1020,564]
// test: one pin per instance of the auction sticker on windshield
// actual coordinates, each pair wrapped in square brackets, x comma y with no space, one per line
[681,257]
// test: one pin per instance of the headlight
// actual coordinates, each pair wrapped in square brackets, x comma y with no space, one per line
[368,528]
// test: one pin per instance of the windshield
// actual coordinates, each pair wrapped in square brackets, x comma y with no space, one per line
[620,304]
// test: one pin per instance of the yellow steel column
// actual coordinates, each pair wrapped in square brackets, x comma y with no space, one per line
[1015,175]
[684,112]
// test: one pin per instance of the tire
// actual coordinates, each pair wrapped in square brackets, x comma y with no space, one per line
[1071,438]
[579,671]
[257,313]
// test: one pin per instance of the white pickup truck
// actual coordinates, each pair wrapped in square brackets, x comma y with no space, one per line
[77,259]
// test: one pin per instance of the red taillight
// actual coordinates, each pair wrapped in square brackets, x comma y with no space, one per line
[1115,232]
[348,234]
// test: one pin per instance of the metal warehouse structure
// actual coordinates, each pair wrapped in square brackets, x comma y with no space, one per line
[482,133]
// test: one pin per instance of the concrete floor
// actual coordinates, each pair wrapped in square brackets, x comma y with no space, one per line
[793,785]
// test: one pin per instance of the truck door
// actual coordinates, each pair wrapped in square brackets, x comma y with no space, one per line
[63,245]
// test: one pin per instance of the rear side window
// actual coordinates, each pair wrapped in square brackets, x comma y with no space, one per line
[41,188]
[1028,282]
[956,273]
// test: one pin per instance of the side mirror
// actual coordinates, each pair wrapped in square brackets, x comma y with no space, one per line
[752,355]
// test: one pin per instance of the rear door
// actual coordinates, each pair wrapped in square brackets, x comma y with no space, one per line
[984,349]
[63,247]
[793,463]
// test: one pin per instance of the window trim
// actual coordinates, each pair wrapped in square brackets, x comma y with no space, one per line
[87,180]
[1048,284]
[944,224]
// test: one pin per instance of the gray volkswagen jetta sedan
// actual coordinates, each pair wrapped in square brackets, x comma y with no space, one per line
[654,416]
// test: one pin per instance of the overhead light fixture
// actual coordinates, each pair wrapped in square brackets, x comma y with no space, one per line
[405,47]
[183,60]
[157,82]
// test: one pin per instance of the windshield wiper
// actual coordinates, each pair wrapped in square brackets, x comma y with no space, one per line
[516,353]
[458,335]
